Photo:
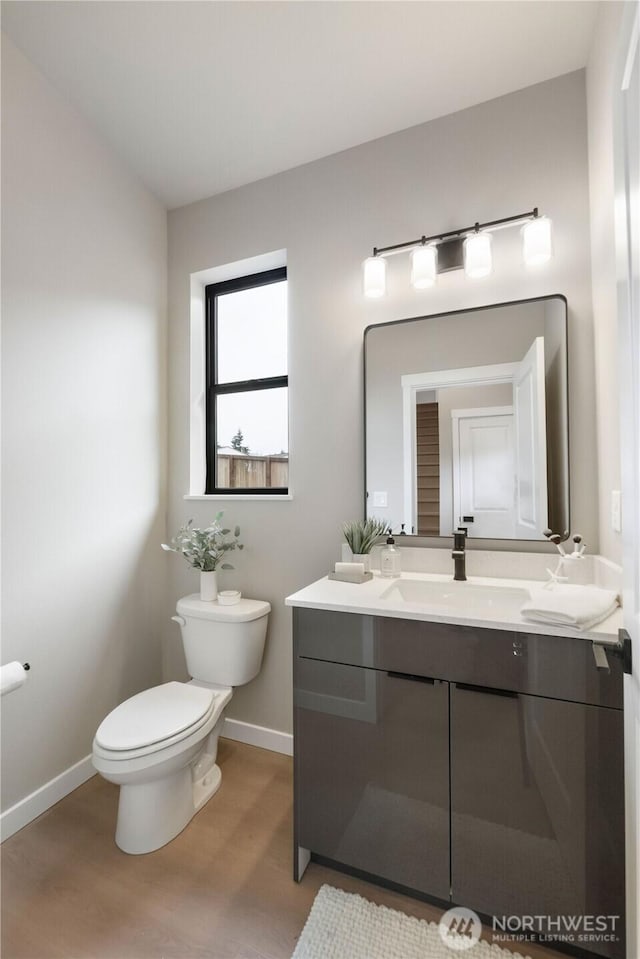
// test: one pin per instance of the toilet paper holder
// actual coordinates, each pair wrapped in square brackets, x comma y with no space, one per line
[12,676]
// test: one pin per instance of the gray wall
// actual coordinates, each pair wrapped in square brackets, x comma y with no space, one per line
[83,372]
[504,156]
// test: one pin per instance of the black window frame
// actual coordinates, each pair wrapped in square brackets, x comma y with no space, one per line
[215,389]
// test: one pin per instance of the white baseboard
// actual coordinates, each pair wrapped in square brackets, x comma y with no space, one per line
[32,806]
[273,739]
[42,799]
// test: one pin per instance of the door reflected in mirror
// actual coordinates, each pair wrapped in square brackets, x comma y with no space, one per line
[466,421]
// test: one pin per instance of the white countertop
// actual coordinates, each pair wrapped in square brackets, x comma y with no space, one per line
[368,598]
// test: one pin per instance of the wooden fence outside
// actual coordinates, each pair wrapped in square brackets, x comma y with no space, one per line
[245,472]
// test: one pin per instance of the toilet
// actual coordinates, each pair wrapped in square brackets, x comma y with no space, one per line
[160,746]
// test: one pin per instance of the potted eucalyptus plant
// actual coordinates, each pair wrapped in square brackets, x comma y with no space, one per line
[361,536]
[204,549]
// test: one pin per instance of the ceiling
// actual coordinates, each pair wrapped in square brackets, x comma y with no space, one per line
[201,97]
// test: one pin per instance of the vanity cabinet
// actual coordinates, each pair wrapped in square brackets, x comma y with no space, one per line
[479,767]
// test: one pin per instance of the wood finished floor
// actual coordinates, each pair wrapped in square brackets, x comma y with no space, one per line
[220,890]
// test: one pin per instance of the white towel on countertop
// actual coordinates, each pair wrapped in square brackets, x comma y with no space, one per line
[579,607]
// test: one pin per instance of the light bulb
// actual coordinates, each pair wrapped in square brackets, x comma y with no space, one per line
[374,275]
[477,255]
[424,264]
[536,241]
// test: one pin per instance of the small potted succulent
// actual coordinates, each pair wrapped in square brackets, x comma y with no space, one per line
[204,549]
[361,536]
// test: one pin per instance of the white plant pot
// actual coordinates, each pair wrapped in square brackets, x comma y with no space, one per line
[208,586]
[365,559]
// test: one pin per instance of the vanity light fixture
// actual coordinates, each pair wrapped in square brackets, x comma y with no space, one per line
[536,241]
[477,255]
[468,248]
[374,276]
[424,266]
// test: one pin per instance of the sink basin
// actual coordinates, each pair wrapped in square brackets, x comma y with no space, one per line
[453,595]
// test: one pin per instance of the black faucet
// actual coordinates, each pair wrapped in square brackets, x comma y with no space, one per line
[459,555]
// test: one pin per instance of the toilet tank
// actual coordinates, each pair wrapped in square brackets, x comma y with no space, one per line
[223,645]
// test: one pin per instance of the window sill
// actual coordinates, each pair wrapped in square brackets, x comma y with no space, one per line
[241,498]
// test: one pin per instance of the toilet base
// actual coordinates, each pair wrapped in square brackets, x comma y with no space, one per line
[152,814]
[206,787]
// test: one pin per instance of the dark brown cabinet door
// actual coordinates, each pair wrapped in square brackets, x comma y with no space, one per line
[372,772]
[537,817]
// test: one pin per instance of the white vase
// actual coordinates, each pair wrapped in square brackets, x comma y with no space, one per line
[365,559]
[208,586]
[346,554]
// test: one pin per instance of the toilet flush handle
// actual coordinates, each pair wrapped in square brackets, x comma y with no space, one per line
[180,620]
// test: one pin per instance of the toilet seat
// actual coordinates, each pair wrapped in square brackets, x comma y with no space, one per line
[156,719]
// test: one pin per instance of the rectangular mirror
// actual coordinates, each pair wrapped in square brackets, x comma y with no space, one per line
[466,421]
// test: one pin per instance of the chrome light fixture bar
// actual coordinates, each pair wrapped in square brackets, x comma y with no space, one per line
[468,247]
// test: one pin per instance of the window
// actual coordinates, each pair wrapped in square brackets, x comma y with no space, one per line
[247,385]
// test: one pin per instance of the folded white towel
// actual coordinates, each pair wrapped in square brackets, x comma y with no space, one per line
[579,607]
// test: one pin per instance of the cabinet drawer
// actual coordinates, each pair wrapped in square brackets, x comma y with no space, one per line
[553,666]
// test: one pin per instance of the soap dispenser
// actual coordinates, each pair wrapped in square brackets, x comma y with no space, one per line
[390,559]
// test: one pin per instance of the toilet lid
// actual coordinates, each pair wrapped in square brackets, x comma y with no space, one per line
[154,715]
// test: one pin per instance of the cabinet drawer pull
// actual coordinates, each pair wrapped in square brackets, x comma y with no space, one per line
[411,677]
[600,657]
[487,689]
